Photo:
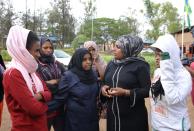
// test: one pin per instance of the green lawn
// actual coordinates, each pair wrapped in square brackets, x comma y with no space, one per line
[149,57]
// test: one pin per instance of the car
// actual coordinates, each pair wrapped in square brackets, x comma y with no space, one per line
[62,57]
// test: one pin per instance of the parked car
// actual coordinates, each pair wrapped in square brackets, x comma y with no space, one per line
[62,57]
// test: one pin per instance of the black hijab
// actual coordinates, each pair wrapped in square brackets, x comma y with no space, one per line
[46,58]
[75,66]
[130,46]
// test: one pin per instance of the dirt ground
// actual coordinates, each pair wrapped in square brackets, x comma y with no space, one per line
[6,123]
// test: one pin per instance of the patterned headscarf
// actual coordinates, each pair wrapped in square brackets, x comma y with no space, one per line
[89,44]
[130,46]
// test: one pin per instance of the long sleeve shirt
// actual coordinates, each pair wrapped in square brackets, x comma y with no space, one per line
[27,113]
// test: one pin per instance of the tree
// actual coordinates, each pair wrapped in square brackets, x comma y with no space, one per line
[28,20]
[162,18]
[40,21]
[90,10]
[6,17]
[106,29]
[79,40]
[65,23]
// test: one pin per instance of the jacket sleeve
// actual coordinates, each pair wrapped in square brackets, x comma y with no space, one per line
[46,94]
[20,93]
[143,76]
[1,88]
[176,90]
[61,95]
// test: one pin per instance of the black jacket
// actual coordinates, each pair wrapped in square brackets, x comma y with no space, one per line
[128,113]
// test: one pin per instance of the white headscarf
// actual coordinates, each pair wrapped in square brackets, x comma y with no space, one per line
[22,60]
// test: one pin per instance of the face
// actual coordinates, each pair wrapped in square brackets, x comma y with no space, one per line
[92,51]
[117,51]
[157,57]
[87,62]
[34,50]
[47,48]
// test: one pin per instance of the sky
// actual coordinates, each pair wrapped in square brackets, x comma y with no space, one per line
[105,8]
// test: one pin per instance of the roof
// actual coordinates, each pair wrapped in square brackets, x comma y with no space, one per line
[185,30]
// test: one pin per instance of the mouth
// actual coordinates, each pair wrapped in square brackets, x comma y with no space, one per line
[88,67]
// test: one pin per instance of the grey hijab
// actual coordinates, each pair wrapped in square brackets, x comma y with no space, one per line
[130,46]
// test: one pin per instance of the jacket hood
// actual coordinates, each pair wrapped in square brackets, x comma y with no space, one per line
[167,43]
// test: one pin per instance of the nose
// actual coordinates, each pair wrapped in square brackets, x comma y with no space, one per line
[49,50]
[89,61]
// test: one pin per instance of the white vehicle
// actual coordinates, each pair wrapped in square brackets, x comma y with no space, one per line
[62,57]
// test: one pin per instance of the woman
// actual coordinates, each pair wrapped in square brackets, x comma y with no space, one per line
[50,71]
[25,93]
[78,90]
[127,83]
[169,110]
[98,65]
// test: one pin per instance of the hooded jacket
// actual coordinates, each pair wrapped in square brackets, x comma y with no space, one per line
[170,112]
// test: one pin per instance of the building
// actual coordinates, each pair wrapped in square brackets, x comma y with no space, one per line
[188,41]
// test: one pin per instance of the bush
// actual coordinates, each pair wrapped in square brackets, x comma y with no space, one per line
[5,55]
[149,57]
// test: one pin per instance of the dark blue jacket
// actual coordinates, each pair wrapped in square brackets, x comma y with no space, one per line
[81,103]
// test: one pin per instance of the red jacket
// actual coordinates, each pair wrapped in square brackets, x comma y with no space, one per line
[27,114]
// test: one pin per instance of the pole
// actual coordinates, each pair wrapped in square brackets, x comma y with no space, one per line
[183,27]
[34,16]
[26,15]
[92,22]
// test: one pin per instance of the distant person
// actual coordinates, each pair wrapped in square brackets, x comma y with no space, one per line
[126,84]
[2,68]
[171,87]
[25,94]
[50,71]
[78,91]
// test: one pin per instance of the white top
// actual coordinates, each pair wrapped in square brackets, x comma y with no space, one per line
[170,113]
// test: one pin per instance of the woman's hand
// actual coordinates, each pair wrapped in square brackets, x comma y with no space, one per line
[104,91]
[38,96]
[53,81]
[118,92]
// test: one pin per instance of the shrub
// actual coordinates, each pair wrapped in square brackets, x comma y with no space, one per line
[5,55]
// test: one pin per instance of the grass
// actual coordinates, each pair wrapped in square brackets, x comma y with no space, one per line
[149,57]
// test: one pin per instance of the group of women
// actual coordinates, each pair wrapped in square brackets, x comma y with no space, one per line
[40,93]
